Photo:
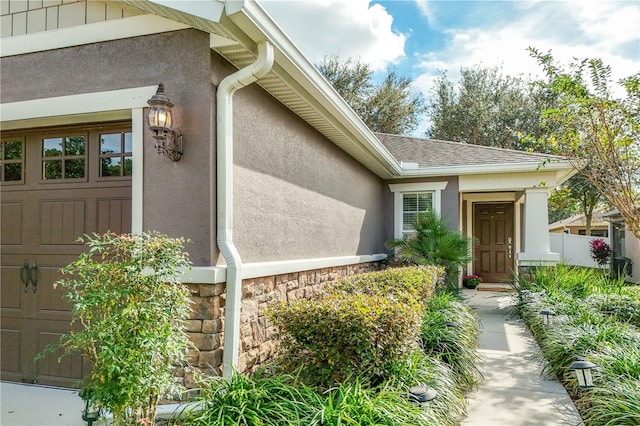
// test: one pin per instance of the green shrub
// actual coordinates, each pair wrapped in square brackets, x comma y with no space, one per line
[282,401]
[618,404]
[621,307]
[572,280]
[449,332]
[418,369]
[407,285]
[355,404]
[257,401]
[343,335]
[596,328]
[126,295]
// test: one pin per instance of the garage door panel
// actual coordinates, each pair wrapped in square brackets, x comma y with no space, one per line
[10,352]
[62,222]
[11,223]
[12,288]
[114,215]
[50,302]
[56,368]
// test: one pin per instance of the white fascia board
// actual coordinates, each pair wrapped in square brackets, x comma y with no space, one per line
[486,169]
[417,186]
[210,10]
[133,26]
[294,64]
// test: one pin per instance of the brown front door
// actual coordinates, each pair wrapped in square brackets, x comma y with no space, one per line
[57,184]
[493,230]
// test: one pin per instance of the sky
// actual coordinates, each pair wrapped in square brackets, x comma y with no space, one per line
[424,38]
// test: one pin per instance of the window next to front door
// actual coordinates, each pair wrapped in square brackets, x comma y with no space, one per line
[411,199]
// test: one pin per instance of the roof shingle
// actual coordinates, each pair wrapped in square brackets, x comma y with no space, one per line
[437,153]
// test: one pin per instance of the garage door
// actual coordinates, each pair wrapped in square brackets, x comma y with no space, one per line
[57,184]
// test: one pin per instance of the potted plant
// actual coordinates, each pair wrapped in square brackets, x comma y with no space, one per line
[471,281]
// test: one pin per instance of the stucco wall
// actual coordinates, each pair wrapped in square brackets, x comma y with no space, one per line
[296,194]
[176,195]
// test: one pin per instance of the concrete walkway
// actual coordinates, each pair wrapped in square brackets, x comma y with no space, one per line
[514,391]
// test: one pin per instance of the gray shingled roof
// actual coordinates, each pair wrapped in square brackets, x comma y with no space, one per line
[437,153]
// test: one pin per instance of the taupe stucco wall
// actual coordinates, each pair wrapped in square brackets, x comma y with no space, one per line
[296,194]
[176,195]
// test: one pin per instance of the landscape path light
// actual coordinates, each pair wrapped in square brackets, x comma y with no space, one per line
[546,314]
[583,372]
[421,395]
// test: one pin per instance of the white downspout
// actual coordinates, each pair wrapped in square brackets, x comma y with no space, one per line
[224,186]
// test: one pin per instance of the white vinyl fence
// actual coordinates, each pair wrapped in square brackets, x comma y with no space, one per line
[574,249]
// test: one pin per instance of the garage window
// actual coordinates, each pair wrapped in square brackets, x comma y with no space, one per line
[12,161]
[115,154]
[64,158]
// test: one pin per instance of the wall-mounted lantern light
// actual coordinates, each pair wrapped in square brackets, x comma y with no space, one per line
[546,315]
[421,395]
[160,122]
[583,372]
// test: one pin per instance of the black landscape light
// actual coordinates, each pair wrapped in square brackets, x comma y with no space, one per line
[546,314]
[583,372]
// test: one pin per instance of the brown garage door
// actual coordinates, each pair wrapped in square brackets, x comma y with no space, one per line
[57,184]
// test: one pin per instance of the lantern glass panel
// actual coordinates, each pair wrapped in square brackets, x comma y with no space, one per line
[585,379]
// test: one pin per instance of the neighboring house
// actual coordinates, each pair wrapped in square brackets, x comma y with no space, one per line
[280,188]
[577,224]
[625,247]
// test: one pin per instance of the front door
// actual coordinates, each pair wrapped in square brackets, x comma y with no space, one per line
[493,230]
[57,184]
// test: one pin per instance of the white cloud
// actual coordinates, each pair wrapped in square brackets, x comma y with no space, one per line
[570,29]
[425,10]
[349,28]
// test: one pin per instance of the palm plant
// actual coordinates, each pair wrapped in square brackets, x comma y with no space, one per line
[433,243]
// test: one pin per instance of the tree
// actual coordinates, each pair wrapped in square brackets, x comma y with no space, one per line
[486,108]
[561,205]
[598,133]
[387,107]
[575,195]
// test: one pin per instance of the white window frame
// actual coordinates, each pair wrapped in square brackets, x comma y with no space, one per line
[399,189]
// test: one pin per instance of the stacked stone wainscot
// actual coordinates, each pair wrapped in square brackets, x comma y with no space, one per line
[258,338]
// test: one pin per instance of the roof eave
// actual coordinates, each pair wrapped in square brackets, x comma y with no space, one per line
[562,168]
[319,93]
